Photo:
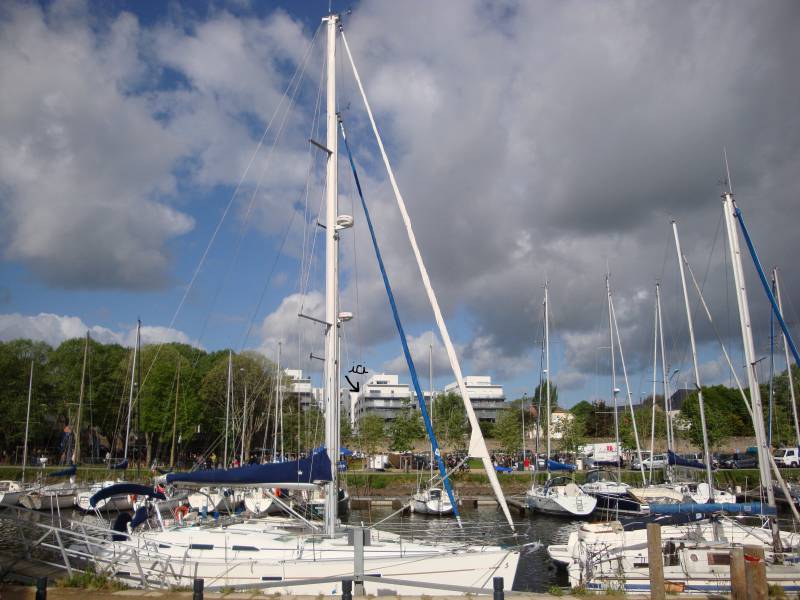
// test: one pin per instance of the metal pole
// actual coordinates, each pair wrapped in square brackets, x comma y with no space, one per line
[175,416]
[749,352]
[498,591]
[358,560]
[244,419]
[614,390]
[547,372]
[698,387]
[653,397]
[278,384]
[27,423]
[331,392]
[130,396]
[227,411]
[788,363]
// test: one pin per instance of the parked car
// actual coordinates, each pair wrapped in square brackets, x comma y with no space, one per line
[658,461]
[741,461]
[788,457]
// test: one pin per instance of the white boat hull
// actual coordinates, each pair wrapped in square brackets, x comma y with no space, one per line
[49,499]
[246,555]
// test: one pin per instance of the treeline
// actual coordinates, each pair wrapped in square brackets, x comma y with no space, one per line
[174,384]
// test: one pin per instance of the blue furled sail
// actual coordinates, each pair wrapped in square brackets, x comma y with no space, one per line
[404,342]
[140,516]
[123,489]
[306,471]
[121,466]
[767,290]
[553,465]
[679,461]
[68,472]
[748,508]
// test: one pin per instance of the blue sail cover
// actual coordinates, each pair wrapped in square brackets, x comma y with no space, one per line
[306,470]
[121,466]
[68,472]
[748,508]
[679,461]
[123,489]
[553,465]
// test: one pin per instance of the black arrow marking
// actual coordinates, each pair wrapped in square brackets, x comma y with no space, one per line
[353,388]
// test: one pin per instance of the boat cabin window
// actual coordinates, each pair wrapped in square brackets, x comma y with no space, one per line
[244,549]
[201,546]
[436,494]
[719,558]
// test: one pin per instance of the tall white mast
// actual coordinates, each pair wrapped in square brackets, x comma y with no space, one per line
[653,397]
[664,374]
[430,392]
[227,410]
[331,370]
[76,451]
[750,360]
[244,419]
[628,393]
[277,407]
[547,370]
[133,380]
[697,385]
[788,362]
[27,424]
[614,389]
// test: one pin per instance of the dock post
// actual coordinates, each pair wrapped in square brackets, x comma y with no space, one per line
[755,572]
[41,588]
[738,578]
[655,562]
[499,593]
[358,561]
[197,589]
[347,590]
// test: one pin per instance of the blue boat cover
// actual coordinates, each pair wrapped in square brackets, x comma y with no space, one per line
[553,465]
[120,466]
[122,489]
[68,472]
[502,469]
[306,470]
[748,508]
[679,461]
[140,516]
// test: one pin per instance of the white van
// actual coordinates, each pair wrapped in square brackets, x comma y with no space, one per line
[788,457]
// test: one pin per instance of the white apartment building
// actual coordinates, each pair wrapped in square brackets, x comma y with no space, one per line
[385,396]
[487,398]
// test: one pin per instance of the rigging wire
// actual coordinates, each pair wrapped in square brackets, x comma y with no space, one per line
[300,69]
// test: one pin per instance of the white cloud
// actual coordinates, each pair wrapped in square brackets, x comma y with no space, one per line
[54,329]
[83,164]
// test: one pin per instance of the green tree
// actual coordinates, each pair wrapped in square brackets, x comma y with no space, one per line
[508,430]
[450,420]
[371,434]
[405,430]
[572,433]
[723,416]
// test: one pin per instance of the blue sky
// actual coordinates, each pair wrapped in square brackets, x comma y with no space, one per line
[531,142]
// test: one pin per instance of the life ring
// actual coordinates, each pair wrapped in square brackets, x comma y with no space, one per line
[180,511]
[277,492]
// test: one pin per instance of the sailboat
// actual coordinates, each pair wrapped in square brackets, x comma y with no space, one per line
[122,501]
[296,555]
[698,559]
[11,492]
[432,500]
[560,495]
[55,496]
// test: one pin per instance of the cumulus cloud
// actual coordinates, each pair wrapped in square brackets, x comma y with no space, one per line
[54,329]
[108,125]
